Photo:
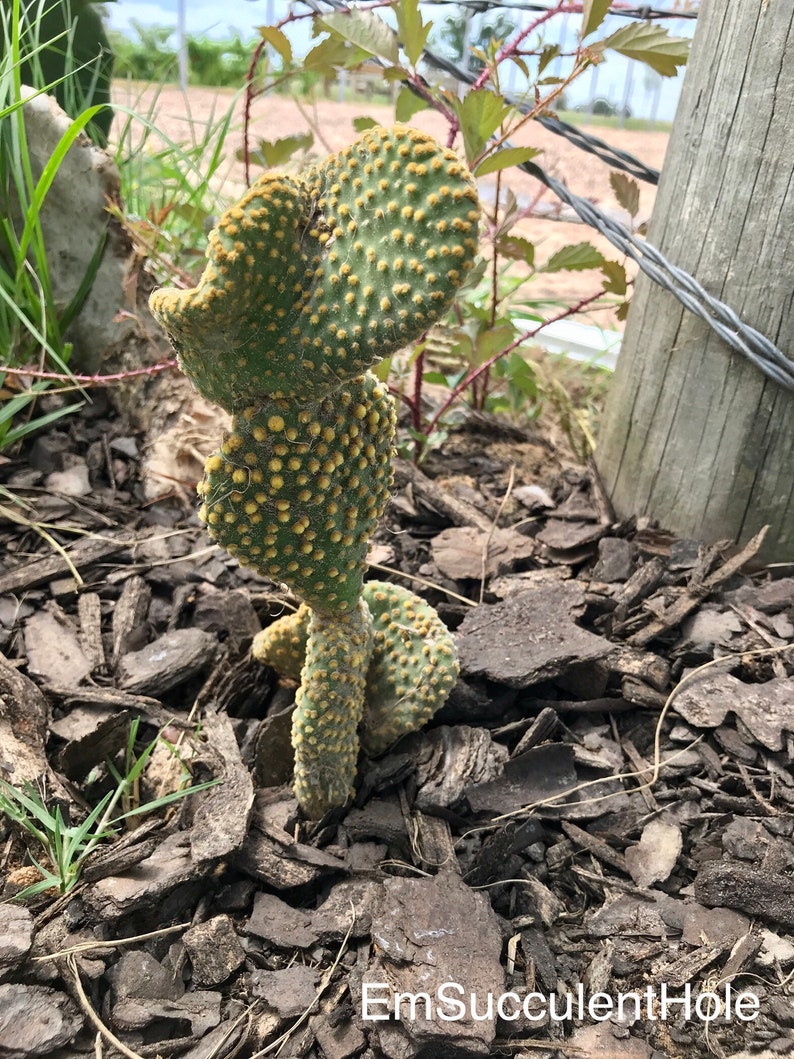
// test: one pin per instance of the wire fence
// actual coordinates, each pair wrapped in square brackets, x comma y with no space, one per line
[481,7]
[734,331]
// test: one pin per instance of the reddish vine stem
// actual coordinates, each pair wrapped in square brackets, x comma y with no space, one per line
[86,381]
[466,382]
[249,99]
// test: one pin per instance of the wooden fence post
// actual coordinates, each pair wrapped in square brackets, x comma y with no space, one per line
[694,435]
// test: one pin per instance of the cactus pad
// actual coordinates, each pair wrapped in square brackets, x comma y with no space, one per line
[312,279]
[296,491]
[413,667]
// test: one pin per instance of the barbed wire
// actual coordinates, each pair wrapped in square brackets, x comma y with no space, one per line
[723,320]
[585,141]
[481,7]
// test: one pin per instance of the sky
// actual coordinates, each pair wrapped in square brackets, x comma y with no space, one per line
[619,80]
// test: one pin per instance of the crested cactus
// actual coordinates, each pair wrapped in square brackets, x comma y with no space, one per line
[310,280]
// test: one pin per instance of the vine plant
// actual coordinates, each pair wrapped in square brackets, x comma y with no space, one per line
[493,318]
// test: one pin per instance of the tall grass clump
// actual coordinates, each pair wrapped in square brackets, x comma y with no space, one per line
[33,322]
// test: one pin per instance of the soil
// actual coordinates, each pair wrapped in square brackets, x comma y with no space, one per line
[605,805]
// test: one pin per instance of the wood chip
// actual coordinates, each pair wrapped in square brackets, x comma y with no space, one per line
[527,638]
[86,551]
[170,660]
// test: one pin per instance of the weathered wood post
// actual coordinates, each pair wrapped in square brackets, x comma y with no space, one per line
[694,435]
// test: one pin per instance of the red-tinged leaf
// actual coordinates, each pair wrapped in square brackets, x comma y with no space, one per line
[510,156]
[574,258]
[615,275]
[517,248]
[627,192]
[593,14]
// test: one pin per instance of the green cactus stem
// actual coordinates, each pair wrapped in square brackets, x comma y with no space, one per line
[310,280]
[413,666]
[328,709]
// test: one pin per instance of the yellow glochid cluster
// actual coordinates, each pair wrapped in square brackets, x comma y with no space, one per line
[411,672]
[313,278]
[296,493]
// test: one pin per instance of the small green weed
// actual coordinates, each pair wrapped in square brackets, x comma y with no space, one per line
[66,847]
[168,187]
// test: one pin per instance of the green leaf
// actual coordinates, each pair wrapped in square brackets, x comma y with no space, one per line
[615,274]
[408,103]
[367,31]
[276,152]
[331,53]
[493,341]
[363,123]
[627,192]
[593,14]
[574,258]
[436,378]
[480,114]
[413,32]
[550,52]
[650,44]
[519,62]
[278,40]
[517,248]
[503,159]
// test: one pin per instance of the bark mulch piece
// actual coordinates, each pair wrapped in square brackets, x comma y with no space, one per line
[568,822]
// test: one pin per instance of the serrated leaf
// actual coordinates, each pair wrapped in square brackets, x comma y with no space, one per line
[627,192]
[650,44]
[574,258]
[412,30]
[517,248]
[408,103]
[367,31]
[480,114]
[550,52]
[593,14]
[492,341]
[394,73]
[615,274]
[519,62]
[329,54]
[437,378]
[278,40]
[503,159]
[276,152]
[363,123]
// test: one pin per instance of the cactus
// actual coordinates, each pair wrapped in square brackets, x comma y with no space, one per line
[310,280]
[412,669]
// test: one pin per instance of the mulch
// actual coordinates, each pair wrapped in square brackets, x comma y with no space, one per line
[604,805]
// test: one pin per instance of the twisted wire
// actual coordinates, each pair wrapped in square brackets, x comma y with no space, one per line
[723,320]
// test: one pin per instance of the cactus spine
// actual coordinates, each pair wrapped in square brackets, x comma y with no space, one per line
[310,280]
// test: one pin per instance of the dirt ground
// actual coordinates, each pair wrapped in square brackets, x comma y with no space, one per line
[332,125]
